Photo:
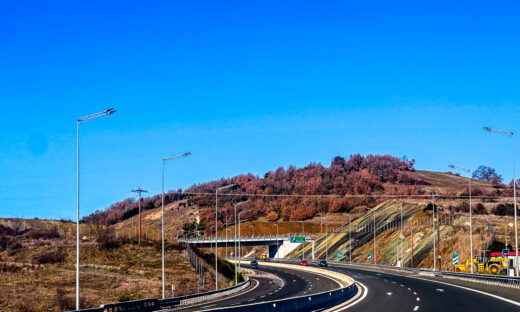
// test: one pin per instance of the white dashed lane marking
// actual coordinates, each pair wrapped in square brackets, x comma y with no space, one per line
[416,308]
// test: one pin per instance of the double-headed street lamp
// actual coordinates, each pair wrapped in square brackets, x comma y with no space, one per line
[511,134]
[468,171]
[81,120]
[216,229]
[162,216]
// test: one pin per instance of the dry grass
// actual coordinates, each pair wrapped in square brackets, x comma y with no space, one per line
[105,275]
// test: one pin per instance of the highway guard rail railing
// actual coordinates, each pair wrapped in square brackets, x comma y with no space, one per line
[317,301]
[154,304]
[499,280]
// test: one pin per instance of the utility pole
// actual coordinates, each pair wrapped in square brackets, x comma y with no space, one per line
[139,191]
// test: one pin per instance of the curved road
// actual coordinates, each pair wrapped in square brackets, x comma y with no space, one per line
[291,283]
[389,292]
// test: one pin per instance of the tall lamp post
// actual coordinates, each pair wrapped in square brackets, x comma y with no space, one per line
[216,229]
[374,213]
[162,216]
[433,232]
[81,120]
[303,249]
[239,237]
[236,272]
[468,171]
[350,237]
[511,134]
[400,253]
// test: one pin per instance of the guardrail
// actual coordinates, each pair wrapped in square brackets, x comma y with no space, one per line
[499,280]
[318,301]
[154,304]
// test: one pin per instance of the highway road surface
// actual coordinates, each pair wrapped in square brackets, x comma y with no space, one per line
[290,283]
[390,292]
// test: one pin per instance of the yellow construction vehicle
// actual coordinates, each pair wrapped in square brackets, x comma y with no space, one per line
[485,263]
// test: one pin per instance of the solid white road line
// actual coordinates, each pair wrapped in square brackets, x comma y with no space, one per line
[365,292]
[448,284]
[474,290]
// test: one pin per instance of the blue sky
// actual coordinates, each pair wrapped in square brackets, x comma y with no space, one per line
[246,86]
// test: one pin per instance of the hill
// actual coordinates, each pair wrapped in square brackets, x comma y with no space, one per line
[38,257]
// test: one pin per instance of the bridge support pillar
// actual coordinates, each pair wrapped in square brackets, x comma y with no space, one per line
[312,250]
[273,251]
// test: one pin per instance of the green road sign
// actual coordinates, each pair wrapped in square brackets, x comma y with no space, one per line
[298,239]
[339,255]
[369,256]
[455,258]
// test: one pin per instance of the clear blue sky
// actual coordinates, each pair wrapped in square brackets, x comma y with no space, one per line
[246,86]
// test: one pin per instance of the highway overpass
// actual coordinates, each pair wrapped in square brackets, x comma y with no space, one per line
[279,245]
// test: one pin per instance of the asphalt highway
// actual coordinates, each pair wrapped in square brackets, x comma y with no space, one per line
[290,283]
[388,292]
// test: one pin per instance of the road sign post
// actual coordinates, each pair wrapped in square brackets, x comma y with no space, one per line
[339,255]
[369,256]
[455,258]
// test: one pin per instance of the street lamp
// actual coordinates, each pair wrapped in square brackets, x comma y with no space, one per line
[400,253]
[511,134]
[81,120]
[433,216]
[327,239]
[162,216]
[236,272]
[350,237]
[239,237]
[374,213]
[468,171]
[216,229]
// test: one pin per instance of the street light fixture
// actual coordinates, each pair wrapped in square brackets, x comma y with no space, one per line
[511,134]
[236,272]
[216,229]
[162,217]
[303,249]
[434,227]
[240,237]
[374,213]
[350,237]
[468,171]
[81,120]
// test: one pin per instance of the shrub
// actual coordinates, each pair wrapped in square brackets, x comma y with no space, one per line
[124,298]
[50,258]
[42,234]
[503,210]
[65,301]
